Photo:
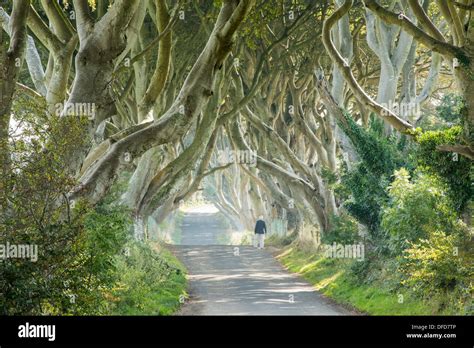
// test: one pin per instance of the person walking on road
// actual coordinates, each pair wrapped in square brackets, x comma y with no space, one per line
[260,230]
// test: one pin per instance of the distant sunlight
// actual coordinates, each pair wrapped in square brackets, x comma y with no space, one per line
[205,208]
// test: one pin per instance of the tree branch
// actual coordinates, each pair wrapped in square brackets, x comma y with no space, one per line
[402,21]
[61,24]
[84,22]
[160,75]
[397,122]
[460,149]
[425,21]
[41,30]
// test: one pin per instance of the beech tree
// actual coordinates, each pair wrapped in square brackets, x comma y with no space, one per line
[456,48]
[165,88]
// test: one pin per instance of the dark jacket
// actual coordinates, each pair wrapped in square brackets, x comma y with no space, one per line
[260,227]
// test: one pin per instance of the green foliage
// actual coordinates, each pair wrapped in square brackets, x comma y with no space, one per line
[344,230]
[34,288]
[450,108]
[329,177]
[40,147]
[334,279]
[380,154]
[280,241]
[419,216]
[150,282]
[373,285]
[431,264]
[254,30]
[38,215]
[455,170]
[364,195]
[361,270]
[363,188]
[435,265]
[105,233]
[76,268]
[75,265]
[415,208]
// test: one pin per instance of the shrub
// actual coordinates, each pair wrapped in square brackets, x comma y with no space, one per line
[37,213]
[75,243]
[450,108]
[454,170]
[365,195]
[435,265]
[360,270]
[149,283]
[105,233]
[280,240]
[415,207]
[344,230]
[363,188]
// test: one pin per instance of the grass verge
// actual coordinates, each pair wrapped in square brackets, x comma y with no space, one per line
[333,278]
[152,281]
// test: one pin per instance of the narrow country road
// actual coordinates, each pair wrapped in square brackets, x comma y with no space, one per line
[240,280]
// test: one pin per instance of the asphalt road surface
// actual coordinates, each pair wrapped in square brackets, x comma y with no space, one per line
[240,280]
